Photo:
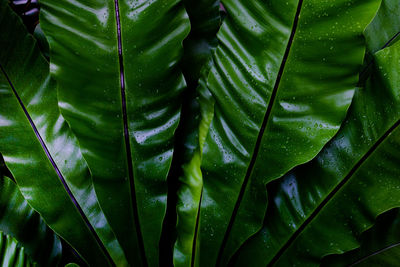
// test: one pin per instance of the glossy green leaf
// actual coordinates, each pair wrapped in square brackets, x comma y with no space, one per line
[196,63]
[322,207]
[12,255]
[383,31]
[24,235]
[190,190]
[40,150]
[283,78]
[385,27]
[380,245]
[116,63]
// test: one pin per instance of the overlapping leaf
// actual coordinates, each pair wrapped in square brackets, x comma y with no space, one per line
[25,238]
[322,207]
[41,152]
[380,245]
[385,28]
[12,254]
[283,78]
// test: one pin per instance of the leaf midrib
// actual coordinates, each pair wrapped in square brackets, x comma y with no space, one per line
[57,170]
[261,133]
[196,230]
[126,136]
[372,254]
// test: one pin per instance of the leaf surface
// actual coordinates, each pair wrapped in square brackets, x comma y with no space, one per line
[24,234]
[306,219]
[196,63]
[41,151]
[385,28]
[380,245]
[116,63]
[283,78]
[12,255]
[191,187]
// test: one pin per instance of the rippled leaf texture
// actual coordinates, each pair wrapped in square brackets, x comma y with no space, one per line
[205,21]
[119,86]
[380,245]
[322,207]
[283,78]
[25,238]
[40,150]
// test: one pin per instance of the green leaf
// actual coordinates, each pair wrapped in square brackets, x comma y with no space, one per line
[382,32]
[24,235]
[385,28]
[191,186]
[12,255]
[40,150]
[197,114]
[283,78]
[322,207]
[380,245]
[119,88]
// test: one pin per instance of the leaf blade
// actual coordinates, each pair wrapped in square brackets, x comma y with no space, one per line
[20,222]
[35,137]
[84,44]
[242,82]
[347,173]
